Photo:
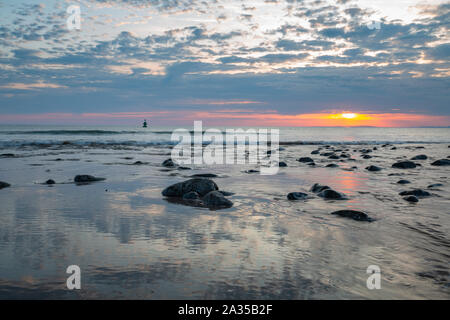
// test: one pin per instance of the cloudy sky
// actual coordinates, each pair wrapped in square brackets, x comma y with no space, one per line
[259,62]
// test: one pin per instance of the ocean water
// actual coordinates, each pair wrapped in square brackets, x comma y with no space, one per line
[131,242]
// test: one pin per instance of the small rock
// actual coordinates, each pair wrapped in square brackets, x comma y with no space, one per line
[332,165]
[4,185]
[416,192]
[305,160]
[316,188]
[355,215]
[394,148]
[216,200]
[404,165]
[403,182]
[50,181]
[420,157]
[315,152]
[373,168]
[282,164]
[168,163]
[442,162]
[330,194]
[184,168]
[436,185]
[297,196]
[86,179]
[366,156]
[138,163]
[200,185]
[251,171]
[333,157]
[412,199]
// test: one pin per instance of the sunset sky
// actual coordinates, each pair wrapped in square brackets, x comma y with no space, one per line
[226,62]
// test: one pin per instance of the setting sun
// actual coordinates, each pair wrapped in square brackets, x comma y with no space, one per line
[349,115]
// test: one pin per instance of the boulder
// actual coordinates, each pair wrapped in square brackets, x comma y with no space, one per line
[355,215]
[168,163]
[4,185]
[305,160]
[50,181]
[411,199]
[86,179]
[315,152]
[404,165]
[282,164]
[200,185]
[216,200]
[420,157]
[373,168]
[333,157]
[297,196]
[416,192]
[316,188]
[191,196]
[442,162]
[330,194]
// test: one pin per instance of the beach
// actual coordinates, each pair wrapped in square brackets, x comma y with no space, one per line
[131,242]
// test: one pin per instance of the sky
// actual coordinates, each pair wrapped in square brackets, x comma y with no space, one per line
[226,62]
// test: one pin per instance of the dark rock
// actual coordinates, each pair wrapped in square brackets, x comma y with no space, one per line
[312,164]
[416,192]
[355,215]
[327,154]
[297,196]
[420,157]
[50,181]
[404,165]
[138,163]
[330,194]
[403,182]
[411,199]
[251,171]
[305,160]
[315,152]
[216,200]
[442,162]
[366,156]
[436,185]
[191,196]
[205,175]
[226,193]
[316,188]
[4,185]
[200,185]
[7,155]
[86,179]
[375,148]
[394,148]
[282,164]
[373,168]
[168,163]
[184,168]
[332,165]
[333,157]
[344,155]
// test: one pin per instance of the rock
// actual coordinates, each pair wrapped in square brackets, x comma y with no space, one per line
[412,199]
[7,155]
[394,148]
[420,157]
[312,164]
[282,164]
[50,181]
[297,196]
[315,152]
[200,185]
[184,168]
[442,162]
[316,188]
[205,175]
[416,192]
[366,156]
[332,165]
[404,165]
[305,160]
[373,168]
[333,157]
[168,163]
[403,182]
[4,185]
[86,179]
[226,193]
[330,194]
[436,185]
[215,199]
[327,154]
[355,215]
[344,155]
[251,171]
[191,196]
[138,163]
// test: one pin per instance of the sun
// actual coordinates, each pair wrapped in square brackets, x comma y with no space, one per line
[349,115]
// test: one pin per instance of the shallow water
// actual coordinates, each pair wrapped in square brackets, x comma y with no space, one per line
[132,243]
